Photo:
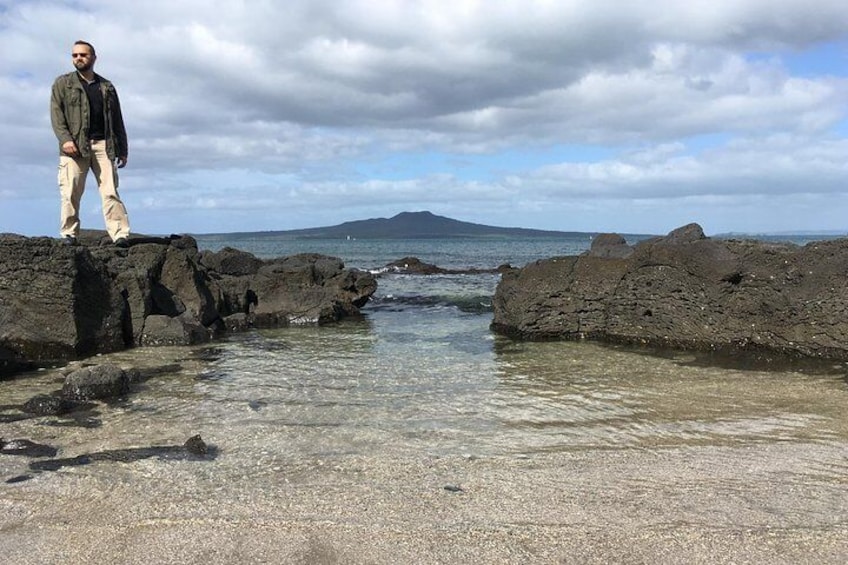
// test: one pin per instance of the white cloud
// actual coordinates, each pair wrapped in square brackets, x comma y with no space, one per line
[226,101]
[772,166]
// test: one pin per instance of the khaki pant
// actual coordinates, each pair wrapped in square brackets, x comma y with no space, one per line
[72,174]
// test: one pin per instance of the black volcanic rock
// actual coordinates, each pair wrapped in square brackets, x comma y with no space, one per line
[300,289]
[49,405]
[61,302]
[96,382]
[26,448]
[229,261]
[194,449]
[610,245]
[181,329]
[56,301]
[686,291]
[414,265]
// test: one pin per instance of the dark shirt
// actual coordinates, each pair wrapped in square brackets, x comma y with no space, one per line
[97,123]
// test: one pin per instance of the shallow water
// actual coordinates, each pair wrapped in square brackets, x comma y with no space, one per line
[443,386]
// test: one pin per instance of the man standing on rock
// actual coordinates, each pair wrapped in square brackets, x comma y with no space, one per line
[87,121]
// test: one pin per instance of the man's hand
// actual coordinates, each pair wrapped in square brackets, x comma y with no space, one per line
[69,148]
[121,162]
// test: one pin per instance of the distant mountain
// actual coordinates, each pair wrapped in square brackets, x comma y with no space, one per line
[409,225]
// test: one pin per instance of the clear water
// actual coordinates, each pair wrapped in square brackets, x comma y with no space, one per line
[422,379]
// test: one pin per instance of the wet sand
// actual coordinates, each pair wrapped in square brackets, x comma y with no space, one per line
[758,503]
[634,460]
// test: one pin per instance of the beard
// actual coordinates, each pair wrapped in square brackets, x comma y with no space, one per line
[84,65]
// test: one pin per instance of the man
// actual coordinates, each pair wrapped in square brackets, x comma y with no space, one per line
[87,121]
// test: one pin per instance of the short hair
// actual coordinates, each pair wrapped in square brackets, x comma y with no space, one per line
[90,46]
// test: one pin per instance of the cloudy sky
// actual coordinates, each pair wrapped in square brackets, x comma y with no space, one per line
[634,117]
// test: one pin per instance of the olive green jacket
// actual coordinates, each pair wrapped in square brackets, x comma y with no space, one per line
[69,114]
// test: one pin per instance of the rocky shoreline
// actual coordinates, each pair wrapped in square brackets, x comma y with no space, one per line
[686,291]
[305,480]
[60,302]
[682,291]
[60,305]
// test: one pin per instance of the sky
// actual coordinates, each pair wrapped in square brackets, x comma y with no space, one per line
[602,116]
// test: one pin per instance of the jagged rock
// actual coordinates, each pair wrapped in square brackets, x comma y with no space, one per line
[163,280]
[238,322]
[685,234]
[179,330]
[96,382]
[185,278]
[56,302]
[59,303]
[686,291]
[610,245]
[301,289]
[229,261]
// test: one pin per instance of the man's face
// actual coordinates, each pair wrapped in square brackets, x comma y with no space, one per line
[82,58]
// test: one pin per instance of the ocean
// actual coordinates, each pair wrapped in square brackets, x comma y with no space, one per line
[416,422]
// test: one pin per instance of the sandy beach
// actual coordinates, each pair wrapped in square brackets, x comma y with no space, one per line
[690,505]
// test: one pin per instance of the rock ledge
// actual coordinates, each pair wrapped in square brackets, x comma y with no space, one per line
[60,302]
[685,291]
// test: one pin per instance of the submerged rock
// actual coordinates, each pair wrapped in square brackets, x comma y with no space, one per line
[97,382]
[49,405]
[26,448]
[196,446]
[685,291]
[193,449]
